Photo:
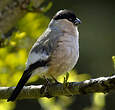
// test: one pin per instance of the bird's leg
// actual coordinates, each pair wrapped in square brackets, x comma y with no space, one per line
[65,83]
[47,81]
[55,79]
[66,78]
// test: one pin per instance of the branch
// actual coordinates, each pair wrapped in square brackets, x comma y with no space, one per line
[11,11]
[102,84]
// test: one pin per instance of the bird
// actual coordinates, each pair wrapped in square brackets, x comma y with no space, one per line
[55,52]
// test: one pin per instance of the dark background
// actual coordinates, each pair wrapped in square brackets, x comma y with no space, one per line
[97,37]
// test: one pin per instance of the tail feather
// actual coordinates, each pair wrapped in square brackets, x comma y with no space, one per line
[26,75]
[19,86]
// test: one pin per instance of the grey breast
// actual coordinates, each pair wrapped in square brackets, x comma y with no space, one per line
[65,55]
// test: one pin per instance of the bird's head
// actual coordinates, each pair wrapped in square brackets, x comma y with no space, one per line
[64,20]
[67,15]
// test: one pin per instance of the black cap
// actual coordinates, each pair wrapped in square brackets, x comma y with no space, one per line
[67,14]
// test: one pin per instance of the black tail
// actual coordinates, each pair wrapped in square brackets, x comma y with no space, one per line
[26,75]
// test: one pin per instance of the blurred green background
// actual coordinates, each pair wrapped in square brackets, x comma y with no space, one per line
[97,36]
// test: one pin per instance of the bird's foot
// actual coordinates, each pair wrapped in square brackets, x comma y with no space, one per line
[66,84]
[44,89]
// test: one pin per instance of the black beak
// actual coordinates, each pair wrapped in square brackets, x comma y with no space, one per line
[77,21]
